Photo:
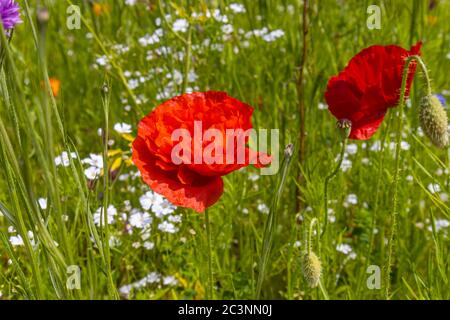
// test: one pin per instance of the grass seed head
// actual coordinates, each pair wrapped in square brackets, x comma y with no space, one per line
[434,121]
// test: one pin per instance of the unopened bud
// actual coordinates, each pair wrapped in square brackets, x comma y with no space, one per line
[434,121]
[312,269]
[43,15]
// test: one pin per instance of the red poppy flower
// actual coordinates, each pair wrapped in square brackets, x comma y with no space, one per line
[369,86]
[190,179]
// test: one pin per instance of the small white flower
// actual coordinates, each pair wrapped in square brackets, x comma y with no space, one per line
[180,25]
[133,84]
[94,160]
[272,36]
[170,281]
[352,199]
[63,159]
[122,128]
[102,61]
[16,241]
[139,219]
[440,224]
[344,248]
[111,212]
[237,7]
[352,148]
[42,203]
[152,277]
[263,208]
[405,145]
[163,208]
[167,227]
[175,219]
[149,199]
[136,245]
[434,188]
[346,165]
[92,173]
[376,146]
[149,245]
[227,28]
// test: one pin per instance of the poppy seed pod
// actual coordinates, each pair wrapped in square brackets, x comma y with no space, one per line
[434,121]
[345,127]
[312,269]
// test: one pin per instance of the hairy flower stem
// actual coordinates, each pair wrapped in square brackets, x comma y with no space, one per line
[327,182]
[310,233]
[210,291]
[301,103]
[394,201]
[270,224]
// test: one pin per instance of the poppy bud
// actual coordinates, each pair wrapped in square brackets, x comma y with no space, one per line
[345,127]
[43,16]
[289,150]
[312,269]
[433,120]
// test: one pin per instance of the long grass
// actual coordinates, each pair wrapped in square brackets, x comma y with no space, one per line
[249,259]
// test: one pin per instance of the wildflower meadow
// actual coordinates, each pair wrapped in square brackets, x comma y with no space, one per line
[224,150]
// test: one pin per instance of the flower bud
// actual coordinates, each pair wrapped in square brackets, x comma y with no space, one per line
[312,269]
[43,15]
[434,121]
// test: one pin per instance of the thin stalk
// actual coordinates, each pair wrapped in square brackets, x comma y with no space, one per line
[310,233]
[301,102]
[326,183]
[401,104]
[106,102]
[210,291]
[377,192]
[376,205]
[187,65]
[323,290]
[271,221]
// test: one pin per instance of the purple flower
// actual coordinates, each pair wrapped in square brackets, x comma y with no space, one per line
[9,13]
[441,99]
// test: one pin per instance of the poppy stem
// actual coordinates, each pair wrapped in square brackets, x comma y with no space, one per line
[210,292]
[311,227]
[326,183]
[401,103]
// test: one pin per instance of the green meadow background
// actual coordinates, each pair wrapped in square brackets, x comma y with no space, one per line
[108,75]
